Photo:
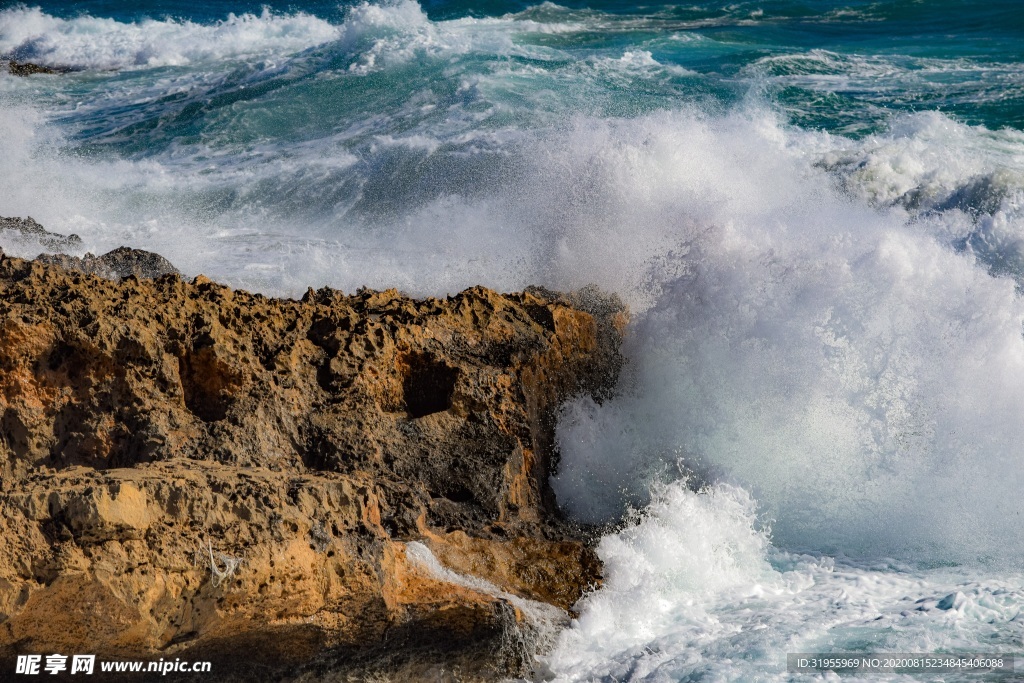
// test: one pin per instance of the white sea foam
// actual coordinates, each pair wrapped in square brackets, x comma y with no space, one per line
[543,620]
[928,161]
[97,43]
[377,34]
[694,591]
[860,375]
[394,33]
[639,62]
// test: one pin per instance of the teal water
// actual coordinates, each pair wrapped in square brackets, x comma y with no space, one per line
[840,66]
[814,209]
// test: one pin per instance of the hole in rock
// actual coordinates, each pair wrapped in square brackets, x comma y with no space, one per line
[208,386]
[460,494]
[428,385]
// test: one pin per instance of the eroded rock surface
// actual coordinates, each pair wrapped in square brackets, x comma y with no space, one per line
[192,471]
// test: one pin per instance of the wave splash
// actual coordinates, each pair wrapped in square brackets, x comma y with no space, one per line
[852,367]
[830,363]
[695,591]
[95,43]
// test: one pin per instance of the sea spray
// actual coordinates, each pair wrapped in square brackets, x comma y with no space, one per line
[695,591]
[106,44]
[860,376]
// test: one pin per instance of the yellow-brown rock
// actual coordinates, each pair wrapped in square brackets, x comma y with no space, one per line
[192,471]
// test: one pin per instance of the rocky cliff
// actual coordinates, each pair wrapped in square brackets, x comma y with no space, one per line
[335,488]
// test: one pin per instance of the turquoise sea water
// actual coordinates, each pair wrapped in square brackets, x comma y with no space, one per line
[841,66]
[814,209]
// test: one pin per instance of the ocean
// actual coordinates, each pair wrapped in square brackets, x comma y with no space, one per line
[814,209]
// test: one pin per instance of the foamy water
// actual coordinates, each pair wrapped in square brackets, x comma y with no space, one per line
[694,591]
[816,439]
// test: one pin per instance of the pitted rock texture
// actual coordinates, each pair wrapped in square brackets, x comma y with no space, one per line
[197,472]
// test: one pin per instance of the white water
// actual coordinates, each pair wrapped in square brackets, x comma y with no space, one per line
[543,622]
[96,43]
[833,356]
[693,592]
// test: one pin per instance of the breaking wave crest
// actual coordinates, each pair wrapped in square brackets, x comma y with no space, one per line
[93,43]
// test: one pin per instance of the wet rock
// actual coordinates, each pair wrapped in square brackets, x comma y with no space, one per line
[16,68]
[116,264]
[119,263]
[951,601]
[29,228]
[192,471]
[27,69]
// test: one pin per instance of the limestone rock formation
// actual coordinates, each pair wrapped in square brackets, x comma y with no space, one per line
[335,488]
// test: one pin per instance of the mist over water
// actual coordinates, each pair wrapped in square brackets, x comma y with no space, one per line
[816,217]
[847,363]
[865,385]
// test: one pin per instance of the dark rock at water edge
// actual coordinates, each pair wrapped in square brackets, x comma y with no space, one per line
[116,264]
[16,68]
[28,228]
